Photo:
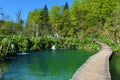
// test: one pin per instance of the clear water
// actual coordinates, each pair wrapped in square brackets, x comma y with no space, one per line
[115,66]
[44,65]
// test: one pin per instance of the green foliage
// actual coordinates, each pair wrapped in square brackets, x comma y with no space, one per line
[55,16]
[41,43]
[7,49]
[76,25]
[1,23]
[37,21]
[23,44]
[36,43]
[4,44]
[71,43]
[9,28]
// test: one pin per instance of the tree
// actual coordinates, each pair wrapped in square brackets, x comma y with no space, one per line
[19,17]
[90,16]
[10,27]
[66,20]
[32,22]
[45,9]
[37,21]
[77,16]
[66,6]
[46,19]
[55,16]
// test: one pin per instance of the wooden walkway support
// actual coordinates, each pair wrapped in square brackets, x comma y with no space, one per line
[97,66]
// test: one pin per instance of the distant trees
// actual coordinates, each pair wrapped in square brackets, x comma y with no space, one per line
[82,19]
[49,22]
[8,27]
[37,22]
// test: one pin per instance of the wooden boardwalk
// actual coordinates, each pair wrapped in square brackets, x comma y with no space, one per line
[97,66]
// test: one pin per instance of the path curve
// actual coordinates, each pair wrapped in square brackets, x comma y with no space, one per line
[97,66]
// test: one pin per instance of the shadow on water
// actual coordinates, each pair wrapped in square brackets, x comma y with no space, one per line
[115,66]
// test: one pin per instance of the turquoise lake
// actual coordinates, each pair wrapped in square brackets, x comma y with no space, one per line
[44,65]
[51,65]
[115,66]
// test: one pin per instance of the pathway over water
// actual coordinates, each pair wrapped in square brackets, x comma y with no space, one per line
[97,66]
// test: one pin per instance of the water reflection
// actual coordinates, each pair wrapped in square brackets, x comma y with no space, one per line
[58,63]
[38,67]
[115,66]
[3,68]
[46,65]
[0,73]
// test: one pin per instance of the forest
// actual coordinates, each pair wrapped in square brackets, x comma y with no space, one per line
[64,26]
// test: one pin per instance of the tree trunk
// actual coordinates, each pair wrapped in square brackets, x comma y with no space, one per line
[115,35]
